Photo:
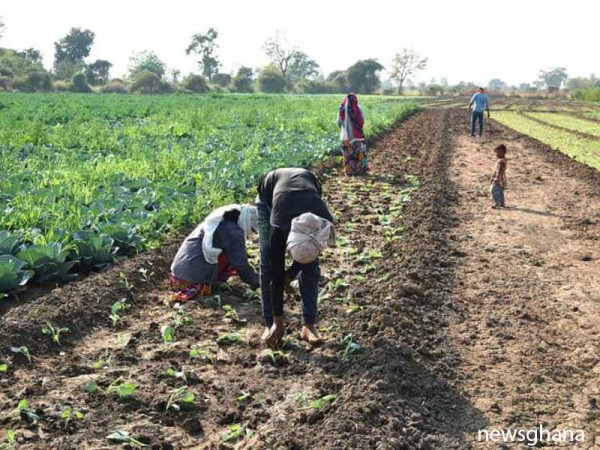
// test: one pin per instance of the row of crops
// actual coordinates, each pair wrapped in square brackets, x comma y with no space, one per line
[583,146]
[87,179]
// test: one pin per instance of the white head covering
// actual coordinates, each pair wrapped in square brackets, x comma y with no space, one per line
[309,236]
[247,221]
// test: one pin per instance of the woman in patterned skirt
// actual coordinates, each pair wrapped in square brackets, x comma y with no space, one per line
[351,121]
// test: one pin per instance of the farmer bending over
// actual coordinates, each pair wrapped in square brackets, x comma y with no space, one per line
[479,102]
[213,252]
[293,217]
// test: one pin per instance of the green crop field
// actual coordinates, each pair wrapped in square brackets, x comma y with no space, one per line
[584,150]
[87,178]
[570,122]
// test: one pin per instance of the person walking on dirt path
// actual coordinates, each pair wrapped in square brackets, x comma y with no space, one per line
[351,120]
[479,103]
[213,252]
[498,180]
[291,216]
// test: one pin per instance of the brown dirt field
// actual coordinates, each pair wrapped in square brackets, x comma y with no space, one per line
[528,288]
[467,318]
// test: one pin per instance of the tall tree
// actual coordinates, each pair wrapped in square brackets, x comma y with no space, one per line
[71,51]
[98,72]
[146,60]
[554,77]
[280,52]
[406,63]
[75,46]
[204,45]
[302,66]
[363,76]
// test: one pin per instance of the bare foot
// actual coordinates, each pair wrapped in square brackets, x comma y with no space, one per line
[274,335]
[310,334]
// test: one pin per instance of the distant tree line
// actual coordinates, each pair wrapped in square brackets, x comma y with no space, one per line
[290,70]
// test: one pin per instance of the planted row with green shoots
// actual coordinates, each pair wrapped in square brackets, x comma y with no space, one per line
[570,122]
[586,151]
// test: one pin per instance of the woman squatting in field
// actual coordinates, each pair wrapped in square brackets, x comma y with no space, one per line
[213,252]
[351,120]
[291,216]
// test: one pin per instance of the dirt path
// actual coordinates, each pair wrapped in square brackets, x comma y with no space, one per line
[528,289]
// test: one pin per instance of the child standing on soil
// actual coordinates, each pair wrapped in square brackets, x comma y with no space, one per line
[498,180]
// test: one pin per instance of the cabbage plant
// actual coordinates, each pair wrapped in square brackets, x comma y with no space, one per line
[13,274]
[49,262]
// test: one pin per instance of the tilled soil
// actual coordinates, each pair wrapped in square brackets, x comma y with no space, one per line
[441,316]
[528,288]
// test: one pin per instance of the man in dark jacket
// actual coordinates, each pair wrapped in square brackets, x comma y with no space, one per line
[284,194]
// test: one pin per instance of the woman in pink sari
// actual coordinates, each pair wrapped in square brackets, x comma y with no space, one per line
[351,121]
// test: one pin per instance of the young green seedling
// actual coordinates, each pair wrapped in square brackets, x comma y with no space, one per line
[23,351]
[201,354]
[320,403]
[10,442]
[3,367]
[235,432]
[215,299]
[105,362]
[177,396]
[246,397]
[231,313]
[121,388]
[23,409]
[127,284]
[177,373]
[251,296]
[54,332]
[167,333]
[179,316]
[125,438]
[228,338]
[276,357]
[68,414]
[353,308]
[146,274]
[351,347]
[92,387]
[117,309]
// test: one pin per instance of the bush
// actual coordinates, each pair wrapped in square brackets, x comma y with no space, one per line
[79,83]
[195,83]
[115,87]
[242,82]
[146,82]
[306,86]
[33,82]
[271,81]
[62,86]
[588,94]
[221,79]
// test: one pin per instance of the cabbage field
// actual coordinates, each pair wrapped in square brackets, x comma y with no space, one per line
[87,179]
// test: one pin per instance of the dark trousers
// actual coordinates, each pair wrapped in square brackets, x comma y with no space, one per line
[272,273]
[475,117]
